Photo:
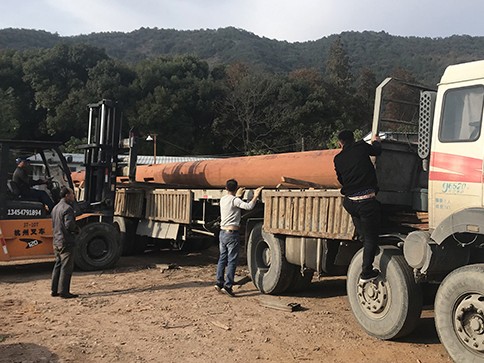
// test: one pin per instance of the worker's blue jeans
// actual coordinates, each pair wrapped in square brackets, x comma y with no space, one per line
[229,253]
[366,215]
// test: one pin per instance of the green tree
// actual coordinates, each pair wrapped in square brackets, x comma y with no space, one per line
[338,70]
[10,114]
[314,114]
[18,114]
[175,100]
[249,116]
[58,77]
[364,99]
[340,84]
[72,145]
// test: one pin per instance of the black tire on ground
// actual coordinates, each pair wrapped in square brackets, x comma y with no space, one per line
[127,234]
[300,282]
[268,267]
[459,314]
[390,307]
[97,247]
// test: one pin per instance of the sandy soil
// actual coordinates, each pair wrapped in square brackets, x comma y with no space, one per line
[143,312]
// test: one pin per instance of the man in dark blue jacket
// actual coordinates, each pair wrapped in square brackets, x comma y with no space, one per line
[356,173]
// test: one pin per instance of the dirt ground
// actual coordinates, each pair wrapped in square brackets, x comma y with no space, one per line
[143,312]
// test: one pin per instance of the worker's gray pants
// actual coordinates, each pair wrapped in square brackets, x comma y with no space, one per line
[63,268]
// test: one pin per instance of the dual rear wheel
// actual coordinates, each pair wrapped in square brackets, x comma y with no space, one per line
[269,269]
[387,309]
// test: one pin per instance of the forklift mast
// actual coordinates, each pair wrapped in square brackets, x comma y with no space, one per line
[101,159]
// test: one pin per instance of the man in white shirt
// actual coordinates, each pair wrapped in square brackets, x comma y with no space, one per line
[230,213]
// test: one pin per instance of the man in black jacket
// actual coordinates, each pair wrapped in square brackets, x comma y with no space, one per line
[357,175]
[64,230]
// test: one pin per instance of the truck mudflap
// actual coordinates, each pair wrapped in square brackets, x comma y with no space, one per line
[459,313]
[390,306]
[469,220]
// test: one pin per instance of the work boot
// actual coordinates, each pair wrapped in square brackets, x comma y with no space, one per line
[228,291]
[218,287]
[372,276]
[68,296]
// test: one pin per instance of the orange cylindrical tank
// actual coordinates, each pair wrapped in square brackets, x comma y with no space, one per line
[78,177]
[250,171]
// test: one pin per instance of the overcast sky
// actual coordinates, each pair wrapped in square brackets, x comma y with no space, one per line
[298,20]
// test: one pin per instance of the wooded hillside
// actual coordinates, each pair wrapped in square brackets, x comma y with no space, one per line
[425,58]
[223,91]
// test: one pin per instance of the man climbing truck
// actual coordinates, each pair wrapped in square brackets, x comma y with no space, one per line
[26,225]
[431,191]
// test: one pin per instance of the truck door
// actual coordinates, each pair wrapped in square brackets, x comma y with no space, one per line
[456,164]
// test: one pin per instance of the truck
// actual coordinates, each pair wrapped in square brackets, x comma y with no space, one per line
[26,224]
[431,189]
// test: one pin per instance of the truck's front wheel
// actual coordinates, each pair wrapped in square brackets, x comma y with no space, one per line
[97,247]
[390,306]
[459,313]
[269,269]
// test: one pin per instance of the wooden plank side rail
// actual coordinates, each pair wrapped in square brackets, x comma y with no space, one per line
[129,203]
[169,205]
[309,213]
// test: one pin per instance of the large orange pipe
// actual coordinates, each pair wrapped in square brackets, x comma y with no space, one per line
[250,171]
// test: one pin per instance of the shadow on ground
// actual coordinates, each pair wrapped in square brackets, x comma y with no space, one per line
[424,333]
[135,290]
[39,270]
[26,352]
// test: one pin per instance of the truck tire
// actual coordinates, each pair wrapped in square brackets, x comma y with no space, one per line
[459,314]
[268,268]
[127,234]
[97,247]
[300,282]
[390,307]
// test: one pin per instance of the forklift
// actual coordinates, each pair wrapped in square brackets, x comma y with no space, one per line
[26,224]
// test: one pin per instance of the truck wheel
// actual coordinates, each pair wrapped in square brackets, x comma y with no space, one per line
[389,307]
[97,247]
[459,313]
[127,234]
[268,268]
[300,282]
